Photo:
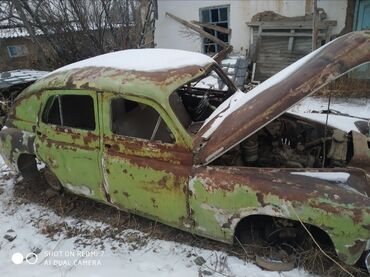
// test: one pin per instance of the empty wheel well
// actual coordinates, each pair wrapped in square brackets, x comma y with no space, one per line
[27,166]
[275,229]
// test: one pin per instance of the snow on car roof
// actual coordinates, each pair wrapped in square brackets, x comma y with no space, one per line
[147,60]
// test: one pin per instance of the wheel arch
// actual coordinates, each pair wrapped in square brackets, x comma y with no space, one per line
[319,234]
[27,166]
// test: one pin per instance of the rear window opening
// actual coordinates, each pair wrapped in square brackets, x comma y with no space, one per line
[196,100]
[74,111]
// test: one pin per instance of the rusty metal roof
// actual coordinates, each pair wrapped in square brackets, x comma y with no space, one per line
[19,76]
[243,114]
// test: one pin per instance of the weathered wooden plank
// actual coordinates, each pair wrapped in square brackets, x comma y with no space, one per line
[197,29]
[325,24]
[291,40]
[213,27]
[286,34]
[222,54]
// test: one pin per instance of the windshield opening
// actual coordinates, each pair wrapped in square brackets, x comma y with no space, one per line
[196,100]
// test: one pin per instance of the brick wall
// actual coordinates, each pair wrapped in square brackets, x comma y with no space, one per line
[29,61]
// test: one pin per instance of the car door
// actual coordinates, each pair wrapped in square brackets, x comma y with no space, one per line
[146,171]
[68,140]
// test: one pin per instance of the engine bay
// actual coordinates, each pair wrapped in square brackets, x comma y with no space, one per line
[290,142]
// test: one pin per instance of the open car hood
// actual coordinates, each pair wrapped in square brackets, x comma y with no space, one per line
[243,114]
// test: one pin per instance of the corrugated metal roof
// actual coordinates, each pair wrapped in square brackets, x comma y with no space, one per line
[21,76]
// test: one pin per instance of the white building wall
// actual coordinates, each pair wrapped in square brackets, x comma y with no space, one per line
[171,34]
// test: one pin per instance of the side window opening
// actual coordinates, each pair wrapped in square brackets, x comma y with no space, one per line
[51,113]
[74,111]
[133,119]
[195,101]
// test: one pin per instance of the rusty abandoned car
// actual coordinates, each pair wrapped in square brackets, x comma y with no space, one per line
[166,135]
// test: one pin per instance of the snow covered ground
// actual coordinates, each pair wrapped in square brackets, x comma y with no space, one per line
[21,230]
[359,107]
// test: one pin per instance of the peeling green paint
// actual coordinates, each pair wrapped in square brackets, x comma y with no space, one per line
[160,181]
[218,208]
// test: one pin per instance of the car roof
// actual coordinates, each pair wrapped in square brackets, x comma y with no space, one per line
[143,60]
[151,73]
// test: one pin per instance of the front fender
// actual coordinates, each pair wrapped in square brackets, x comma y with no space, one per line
[219,197]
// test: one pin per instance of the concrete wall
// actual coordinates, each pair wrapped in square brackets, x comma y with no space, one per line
[171,34]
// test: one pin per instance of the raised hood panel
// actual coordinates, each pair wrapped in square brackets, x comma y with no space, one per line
[243,114]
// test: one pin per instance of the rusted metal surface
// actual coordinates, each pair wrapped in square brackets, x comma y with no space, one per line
[273,265]
[361,152]
[157,85]
[14,142]
[249,191]
[164,182]
[148,178]
[318,69]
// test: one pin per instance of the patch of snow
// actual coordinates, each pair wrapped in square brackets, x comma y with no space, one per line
[356,108]
[359,107]
[13,32]
[344,123]
[61,255]
[147,60]
[229,61]
[339,177]
[212,81]
[79,189]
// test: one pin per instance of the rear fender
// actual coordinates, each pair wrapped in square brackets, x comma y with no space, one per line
[334,200]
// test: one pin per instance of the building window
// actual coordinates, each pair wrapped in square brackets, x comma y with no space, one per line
[218,16]
[17,51]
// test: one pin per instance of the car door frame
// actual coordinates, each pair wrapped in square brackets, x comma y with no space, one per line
[73,155]
[165,197]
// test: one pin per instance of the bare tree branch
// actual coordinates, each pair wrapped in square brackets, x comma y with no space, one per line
[70,30]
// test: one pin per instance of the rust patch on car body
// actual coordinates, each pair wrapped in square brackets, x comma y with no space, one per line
[175,183]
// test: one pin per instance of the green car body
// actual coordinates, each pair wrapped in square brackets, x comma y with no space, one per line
[177,183]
